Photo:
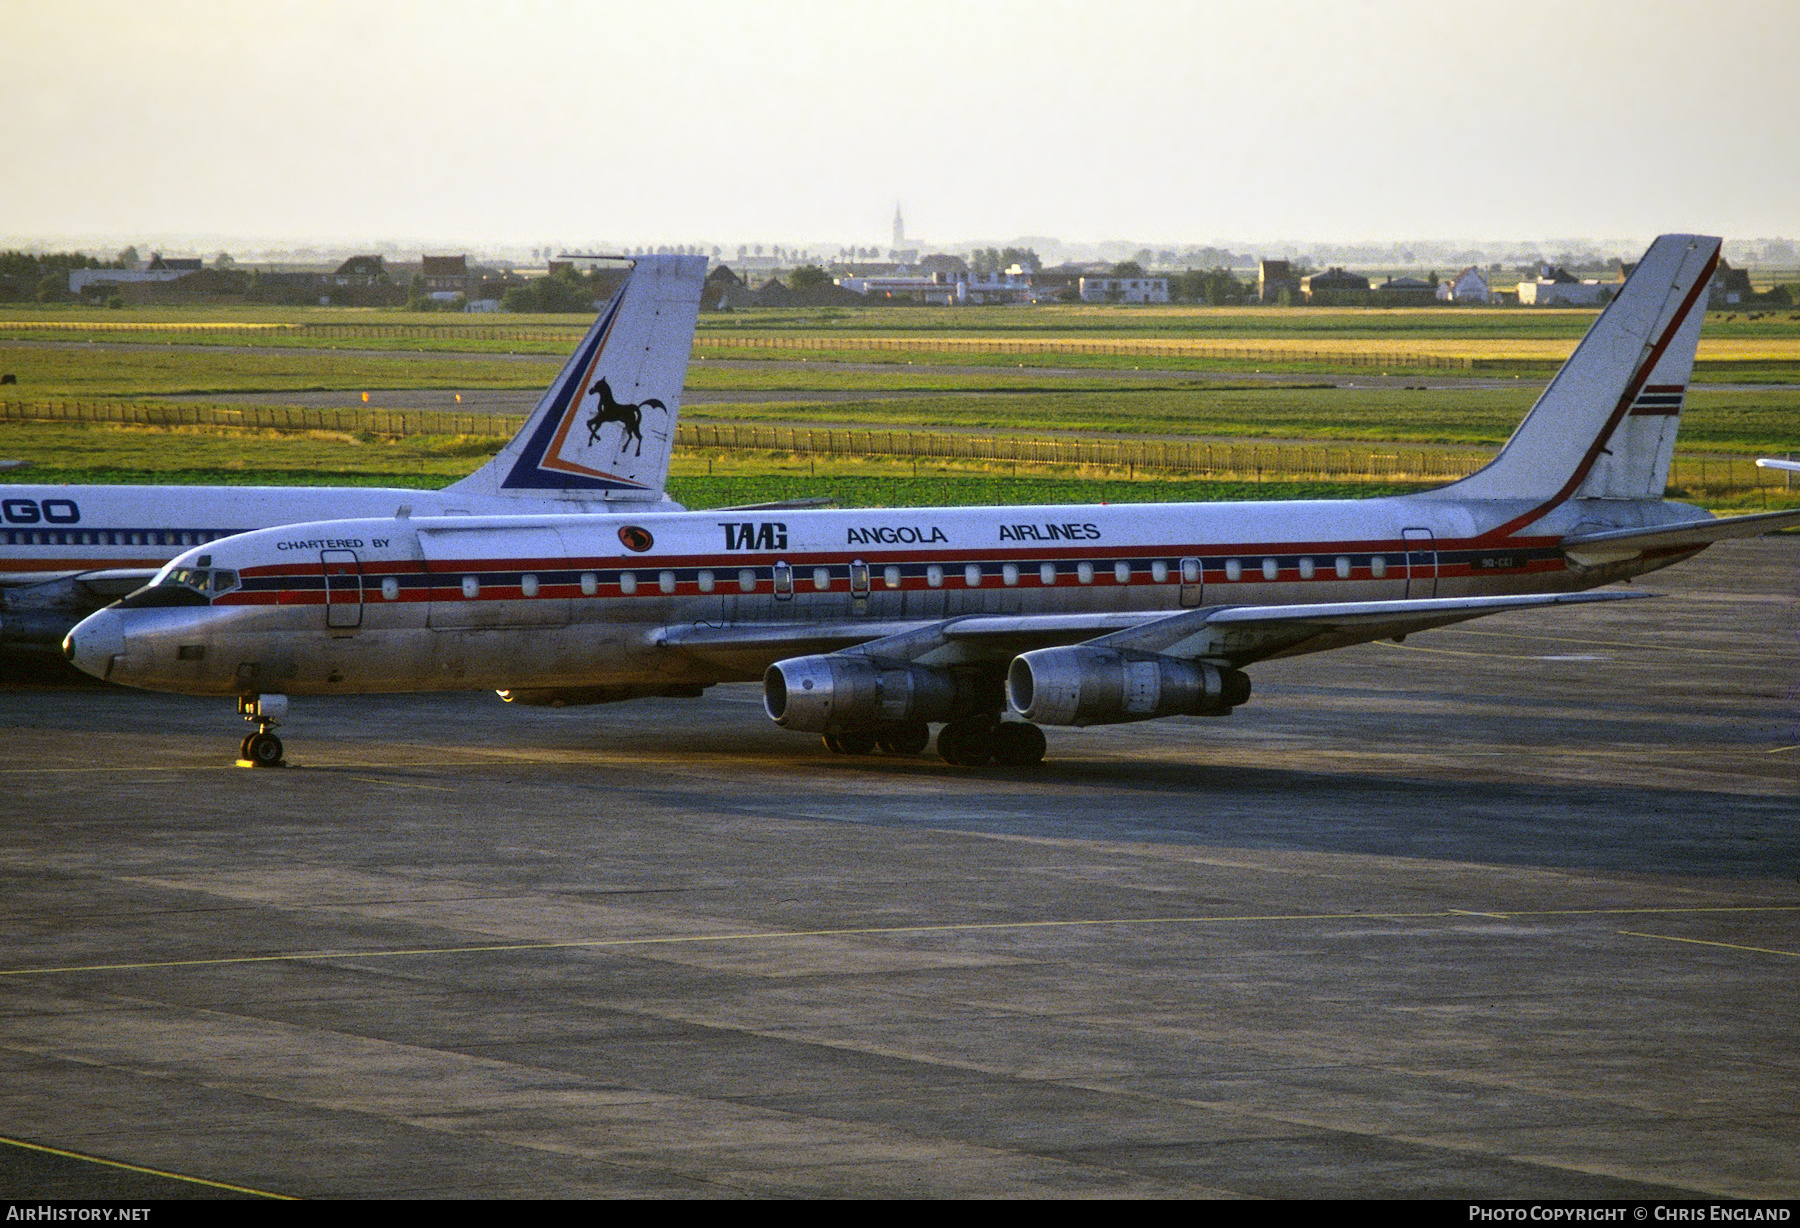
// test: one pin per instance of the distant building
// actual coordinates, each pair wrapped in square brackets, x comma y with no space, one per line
[1124,289]
[935,289]
[1730,286]
[1334,284]
[1468,286]
[1273,277]
[1405,292]
[446,277]
[1557,287]
[161,268]
[359,271]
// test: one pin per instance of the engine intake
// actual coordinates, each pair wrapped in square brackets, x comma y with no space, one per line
[1098,686]
[835,692]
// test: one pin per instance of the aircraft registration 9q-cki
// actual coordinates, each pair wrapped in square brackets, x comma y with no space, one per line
[598,441]
[869,626]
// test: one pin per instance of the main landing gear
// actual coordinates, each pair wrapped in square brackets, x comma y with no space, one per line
[900,738]
[261,749]
[969,741]
[979,741]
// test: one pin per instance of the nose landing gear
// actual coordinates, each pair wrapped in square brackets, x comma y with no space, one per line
[261,749]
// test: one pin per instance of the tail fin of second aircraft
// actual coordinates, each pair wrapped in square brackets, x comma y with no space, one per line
[605,428]
[1605,427]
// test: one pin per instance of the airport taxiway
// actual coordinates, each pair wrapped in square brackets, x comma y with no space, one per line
[1509,910]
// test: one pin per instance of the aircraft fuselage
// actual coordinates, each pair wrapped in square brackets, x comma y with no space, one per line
[409,604]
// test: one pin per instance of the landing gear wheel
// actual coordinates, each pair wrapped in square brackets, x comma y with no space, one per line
[906,738]
[967,743]
[263,749]
[1017,744]
[244,746]
[857,742]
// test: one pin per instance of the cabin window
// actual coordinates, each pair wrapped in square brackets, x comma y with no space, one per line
[1122,572]
[972,575]
[665,580]
[1190,571]
[1306,569]
[746,580]
[390,588]
[821,578]
[528,586]
[471,587]
[783,574]
[1084,572]
[934,576]
[704,581]
[628,582]
[890,576]
[859,578]
[590,584]
[1047,574]
[1009,574]
[1377,566]
[1271,569]
[1342,566]
[1159,571]
[1234,570]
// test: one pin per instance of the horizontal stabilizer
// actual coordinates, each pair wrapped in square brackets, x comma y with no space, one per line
[1615,544]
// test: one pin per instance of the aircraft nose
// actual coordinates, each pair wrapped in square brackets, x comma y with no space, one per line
[95,641]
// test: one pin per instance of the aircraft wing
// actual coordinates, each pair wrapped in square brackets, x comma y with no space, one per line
[1236,635]
[1616,544]
[104,585]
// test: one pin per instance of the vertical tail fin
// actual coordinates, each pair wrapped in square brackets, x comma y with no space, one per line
[1605,427]
[605,428]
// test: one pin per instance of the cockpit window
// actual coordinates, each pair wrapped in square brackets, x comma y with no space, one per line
[177,585]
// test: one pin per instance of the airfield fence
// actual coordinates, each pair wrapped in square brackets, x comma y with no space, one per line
[1362,355]
[1232,460]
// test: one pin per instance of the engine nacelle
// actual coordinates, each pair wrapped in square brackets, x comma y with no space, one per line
[1100,686]
[835,692]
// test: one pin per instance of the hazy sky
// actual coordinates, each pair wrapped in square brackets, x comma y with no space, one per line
[723,121]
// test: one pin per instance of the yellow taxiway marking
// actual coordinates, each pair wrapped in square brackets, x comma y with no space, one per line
[1707,942]
[139,1168]
[879,931]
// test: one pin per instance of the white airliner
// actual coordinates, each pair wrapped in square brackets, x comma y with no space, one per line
[866,626]
[598,441]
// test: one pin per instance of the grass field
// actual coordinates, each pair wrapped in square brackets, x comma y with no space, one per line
[930,388]
[1757,420]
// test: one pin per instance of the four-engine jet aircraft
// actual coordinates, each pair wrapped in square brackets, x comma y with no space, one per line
[866,625]
[67,550]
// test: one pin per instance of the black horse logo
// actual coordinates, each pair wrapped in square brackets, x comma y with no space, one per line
[631,417]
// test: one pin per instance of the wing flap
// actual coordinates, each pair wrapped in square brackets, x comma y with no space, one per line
[1235,635]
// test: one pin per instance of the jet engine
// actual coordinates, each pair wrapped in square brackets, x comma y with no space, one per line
[1101,686]
[837,692]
